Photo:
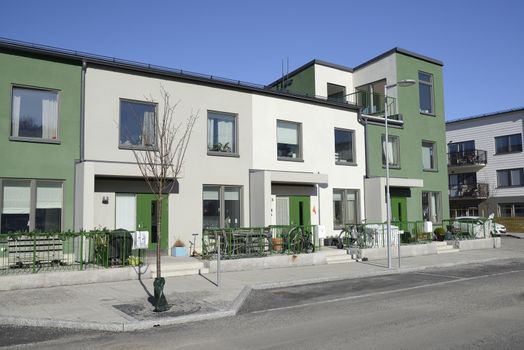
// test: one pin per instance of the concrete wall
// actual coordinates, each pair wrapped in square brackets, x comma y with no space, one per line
[325,75]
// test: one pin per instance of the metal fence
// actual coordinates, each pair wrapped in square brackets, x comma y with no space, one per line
[38,252]
[464,228]
[257,241]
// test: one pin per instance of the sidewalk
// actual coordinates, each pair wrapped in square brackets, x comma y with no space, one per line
[123,306]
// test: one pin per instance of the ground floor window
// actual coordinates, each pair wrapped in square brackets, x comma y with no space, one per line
[221,206]
[511,209]
[345,207]
[469,211]
[29,205]
[431,207]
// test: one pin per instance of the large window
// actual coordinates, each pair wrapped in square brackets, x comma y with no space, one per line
[288,140]
[511,209]
[431,208]
[508,143]
[34,114]
[344,146]
[371,98]
[221,206]
[345,207]
[336,92]
[510,177]
[137,124]
[28,205]
[221,133]
[429,155]
[425,91]
[393,149]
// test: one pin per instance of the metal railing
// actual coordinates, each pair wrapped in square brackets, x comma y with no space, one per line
[257,241]
[33,252]
[473,228]
[372,104]
[476,190]
[465,158]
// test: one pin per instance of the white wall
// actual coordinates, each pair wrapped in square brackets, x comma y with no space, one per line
[384,68]
[325,75]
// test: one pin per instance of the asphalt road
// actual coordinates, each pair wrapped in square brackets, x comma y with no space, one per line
[467,307]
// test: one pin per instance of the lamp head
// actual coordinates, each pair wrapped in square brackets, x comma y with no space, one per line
[405,82]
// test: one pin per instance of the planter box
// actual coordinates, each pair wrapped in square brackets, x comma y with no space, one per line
[178,251]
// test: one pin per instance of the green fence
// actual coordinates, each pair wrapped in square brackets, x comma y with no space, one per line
[257,241]
[37,252]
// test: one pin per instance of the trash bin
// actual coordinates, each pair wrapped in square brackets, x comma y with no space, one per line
[120,244]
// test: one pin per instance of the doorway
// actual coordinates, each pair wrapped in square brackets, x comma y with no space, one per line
[399,212]
[146,218]
[293,210]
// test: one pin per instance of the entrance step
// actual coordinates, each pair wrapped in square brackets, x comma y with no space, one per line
[446,248]
[336,256]
[172,267]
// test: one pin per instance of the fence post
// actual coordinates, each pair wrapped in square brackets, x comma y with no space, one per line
[34,253]
[218,262]
[81,252]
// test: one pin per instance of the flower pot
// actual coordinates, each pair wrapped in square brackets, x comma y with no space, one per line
[178,251]
[276,244]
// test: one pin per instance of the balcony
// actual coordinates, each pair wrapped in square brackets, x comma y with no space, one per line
[471,160]
[372,106]
[469,191]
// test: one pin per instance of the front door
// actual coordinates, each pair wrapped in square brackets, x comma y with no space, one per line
[299,207]
[146,219]
[399,214]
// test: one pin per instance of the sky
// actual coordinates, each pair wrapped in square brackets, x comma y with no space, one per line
[480,42]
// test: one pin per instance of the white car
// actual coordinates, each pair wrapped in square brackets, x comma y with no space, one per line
[478,225]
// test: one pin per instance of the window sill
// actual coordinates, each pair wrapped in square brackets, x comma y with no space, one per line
[512,186]
[395,167]
[430,170]
[346,163]
[34,139]
[137,148]
[503,153]
[428,114]
[287,159]
[223,154]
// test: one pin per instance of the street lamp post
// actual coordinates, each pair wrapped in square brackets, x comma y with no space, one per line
[401,83]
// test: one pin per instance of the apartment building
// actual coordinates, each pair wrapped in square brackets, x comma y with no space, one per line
[486,164]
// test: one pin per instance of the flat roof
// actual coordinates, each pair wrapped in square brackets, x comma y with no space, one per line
[485,115]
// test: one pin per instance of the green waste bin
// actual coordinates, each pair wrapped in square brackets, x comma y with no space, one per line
[120,245]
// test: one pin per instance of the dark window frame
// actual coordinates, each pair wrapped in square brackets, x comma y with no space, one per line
[353,147]
[509,179]
[383,154]
[431,85]
[221,203]
[299,157]
[344,194]
[510,150]
[235,151]
[155,119]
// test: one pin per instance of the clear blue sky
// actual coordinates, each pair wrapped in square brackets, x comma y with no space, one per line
[480,42]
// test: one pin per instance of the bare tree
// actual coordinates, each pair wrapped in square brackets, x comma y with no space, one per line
[160,164]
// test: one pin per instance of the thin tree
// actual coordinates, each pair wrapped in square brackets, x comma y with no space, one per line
[160,164]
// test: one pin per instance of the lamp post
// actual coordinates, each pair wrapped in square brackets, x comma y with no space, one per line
[401,83]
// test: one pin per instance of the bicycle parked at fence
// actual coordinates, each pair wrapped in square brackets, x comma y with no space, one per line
[353,235]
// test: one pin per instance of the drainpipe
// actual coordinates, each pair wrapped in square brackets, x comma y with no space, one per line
[364,121]
[82,110]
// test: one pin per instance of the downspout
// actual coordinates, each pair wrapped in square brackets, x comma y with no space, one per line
[364,121]
[82,110]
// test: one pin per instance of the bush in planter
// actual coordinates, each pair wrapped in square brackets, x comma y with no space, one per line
[179,248]
[440,233]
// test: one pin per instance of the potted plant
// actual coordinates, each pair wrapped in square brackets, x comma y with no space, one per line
[179,248]
[440,233]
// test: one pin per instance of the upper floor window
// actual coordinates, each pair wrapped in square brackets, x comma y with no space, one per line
[344,146]
[221,133]
[393,150]
[510,177]
[137,124]
[431,207]
[508,143]
[288,140]
[34,114]
[429,156]
[371,98]
[425,91]
[336,92]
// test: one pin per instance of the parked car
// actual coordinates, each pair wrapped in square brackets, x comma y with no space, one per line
[477,226]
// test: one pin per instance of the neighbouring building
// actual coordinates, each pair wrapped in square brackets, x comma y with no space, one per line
[486,164]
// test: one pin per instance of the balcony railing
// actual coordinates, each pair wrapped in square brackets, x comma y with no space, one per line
[469,191]
[372,104]
[468,158]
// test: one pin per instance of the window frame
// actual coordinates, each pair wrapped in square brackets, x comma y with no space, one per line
[383,154]
[299,157]
[512,209]
[434,155]
[344,194]
[509,178]
[33,185]
[431,85]
[58,112]
[353,145]
[221,203]
[438,202]
[235,152]
[155,119]
[508,137]
[344,94]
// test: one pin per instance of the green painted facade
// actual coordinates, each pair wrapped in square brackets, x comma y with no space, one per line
[40,160]
[302,83]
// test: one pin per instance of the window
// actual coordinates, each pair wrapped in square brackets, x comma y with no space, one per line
[425,91]
[221,206]
[221,133]
[345,207]
[336,92]
[34,114]
[371,98]
[137,124]
[510,177]
[431,207]
[460,147]
[511,209]
[393,149]
[344,146]
[288,140]
[429,156]
[508,143]
[28,205]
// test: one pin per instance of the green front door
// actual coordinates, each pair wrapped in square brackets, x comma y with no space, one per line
[146,212]
[399,211]
[299,214]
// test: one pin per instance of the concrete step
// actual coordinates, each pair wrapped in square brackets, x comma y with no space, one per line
[445,248]
[328,251]
[448,251]
[339,259]
[179,268]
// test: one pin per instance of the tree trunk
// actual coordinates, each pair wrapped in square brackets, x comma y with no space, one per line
[158,234]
